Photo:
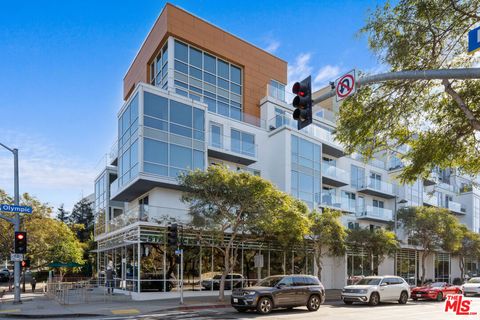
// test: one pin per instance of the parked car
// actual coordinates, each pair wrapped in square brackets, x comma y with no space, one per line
[4,275]
[283,291]
[472,286]
[155,282]
[374,289]
[435,291]
[234,280]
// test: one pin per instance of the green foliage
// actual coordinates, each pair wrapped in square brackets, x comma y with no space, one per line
[62,214]
[49,240]
[469,247]
[82,214]
[378,243]
[240,204]
[439,121]
[327,230]
[433,228]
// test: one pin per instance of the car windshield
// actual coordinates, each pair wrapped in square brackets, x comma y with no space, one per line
[269,282]
[474,280]
[369,281]
[437,284]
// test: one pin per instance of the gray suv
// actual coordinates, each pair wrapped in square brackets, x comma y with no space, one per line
[285,291]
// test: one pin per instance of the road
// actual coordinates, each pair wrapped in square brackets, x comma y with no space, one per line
[336,310]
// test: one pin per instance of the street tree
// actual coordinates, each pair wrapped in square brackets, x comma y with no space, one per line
[432,228]
[469,247]
[82,214]
[230,206]
[49,240]
[327,232]
[377,243]
[62,214]
[439,121]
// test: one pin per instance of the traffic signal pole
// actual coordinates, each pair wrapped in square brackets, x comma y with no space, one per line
[15,221]
[440,74]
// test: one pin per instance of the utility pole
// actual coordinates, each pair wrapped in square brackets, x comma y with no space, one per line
[16,222]
[440,74]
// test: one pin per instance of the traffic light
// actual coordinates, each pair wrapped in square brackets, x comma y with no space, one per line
[25,263]
[21,242]
[303,102]
[172,235]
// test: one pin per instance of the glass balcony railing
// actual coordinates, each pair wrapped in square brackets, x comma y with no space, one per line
[311,130]
[454,206]
[334,173]
[375,213]
[226,143]
[379,185]
[148,213]
[327,115]
[430,199]
[113,152]
[114,187]
[340,203]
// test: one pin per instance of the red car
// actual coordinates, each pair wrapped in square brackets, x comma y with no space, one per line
[435,291]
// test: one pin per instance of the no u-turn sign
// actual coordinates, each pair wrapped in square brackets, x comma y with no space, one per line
[345,85]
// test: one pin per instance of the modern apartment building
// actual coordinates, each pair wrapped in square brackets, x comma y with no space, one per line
[196,96]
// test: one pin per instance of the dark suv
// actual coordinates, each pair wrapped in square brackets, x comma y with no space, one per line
[286,291]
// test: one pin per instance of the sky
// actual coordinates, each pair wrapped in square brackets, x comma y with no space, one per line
[62,65]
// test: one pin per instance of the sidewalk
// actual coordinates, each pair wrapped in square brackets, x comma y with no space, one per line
[37,306]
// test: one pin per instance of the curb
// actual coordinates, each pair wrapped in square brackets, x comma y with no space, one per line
[45,316]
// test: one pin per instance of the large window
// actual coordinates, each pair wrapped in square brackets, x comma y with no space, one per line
[277,90]
[216,136]
[159,69]
[202,76]
[442,267]
[176,143]
[243,142]
[305,180]
[357,177]
[128,142]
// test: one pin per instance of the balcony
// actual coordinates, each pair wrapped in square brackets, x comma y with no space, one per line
[377,188]
[148,214]
[430,199]
[337,203]
[113,154]
[334,176]
[455,207]
[330,146]
[431,180]
[225,148]
[375,214]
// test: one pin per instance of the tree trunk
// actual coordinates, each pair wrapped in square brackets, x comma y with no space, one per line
[221,292]
[424,257]
[461,264]
[318,261]
[462,105]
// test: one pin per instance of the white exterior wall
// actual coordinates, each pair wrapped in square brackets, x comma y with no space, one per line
[387,266]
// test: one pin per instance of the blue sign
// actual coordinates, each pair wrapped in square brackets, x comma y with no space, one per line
[178,252]
[12,208]
[474,40]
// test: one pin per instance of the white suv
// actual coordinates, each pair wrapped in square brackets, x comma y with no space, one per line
[374,289]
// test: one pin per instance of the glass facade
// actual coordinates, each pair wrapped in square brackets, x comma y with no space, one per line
[204,77]
[407,265]
[277,90]
[101,203]
[442,267]
[174,136]
[128,142]
[159,69]
[476,214]
[305,180]
[243,142]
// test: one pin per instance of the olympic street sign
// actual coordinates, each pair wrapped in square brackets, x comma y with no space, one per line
[345,85]
[12,208]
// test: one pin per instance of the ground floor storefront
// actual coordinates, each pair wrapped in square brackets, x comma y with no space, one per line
[143,263]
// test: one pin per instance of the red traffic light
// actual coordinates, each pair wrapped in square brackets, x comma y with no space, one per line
[299,89]
[20,236]
[24,263]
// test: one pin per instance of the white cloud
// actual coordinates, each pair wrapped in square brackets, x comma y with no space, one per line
[45,172]
[325,75]
[272,46]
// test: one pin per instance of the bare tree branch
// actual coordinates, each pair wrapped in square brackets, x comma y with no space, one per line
[461,104]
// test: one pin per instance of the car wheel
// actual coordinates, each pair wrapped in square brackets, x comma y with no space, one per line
[242,310]
[374,299]
[403,298]
[313,303]
[264,305]
[439,296]
[347,302]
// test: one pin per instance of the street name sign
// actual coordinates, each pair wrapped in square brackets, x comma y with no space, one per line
[16,209]
[14,257]
[474,40]
[345,85]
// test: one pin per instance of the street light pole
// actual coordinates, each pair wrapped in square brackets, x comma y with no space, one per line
[16,222]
